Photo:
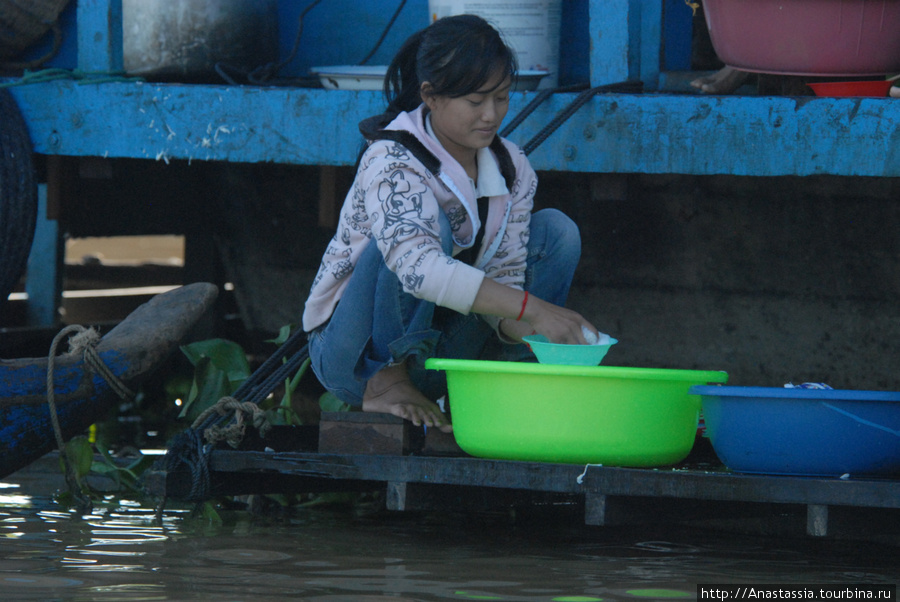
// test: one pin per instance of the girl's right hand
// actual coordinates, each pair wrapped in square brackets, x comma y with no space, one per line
[558,324]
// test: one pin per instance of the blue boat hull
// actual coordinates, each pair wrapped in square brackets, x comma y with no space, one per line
[132,350]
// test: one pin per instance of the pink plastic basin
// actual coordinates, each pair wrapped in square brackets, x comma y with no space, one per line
[875,89]
[806,37]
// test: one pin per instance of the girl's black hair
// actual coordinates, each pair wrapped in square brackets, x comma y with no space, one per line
[456,55]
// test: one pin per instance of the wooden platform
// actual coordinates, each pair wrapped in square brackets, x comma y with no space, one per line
[609,495]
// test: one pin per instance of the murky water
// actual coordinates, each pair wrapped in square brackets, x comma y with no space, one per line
[121,552]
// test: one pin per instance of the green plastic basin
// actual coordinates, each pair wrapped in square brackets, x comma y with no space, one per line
[573,414]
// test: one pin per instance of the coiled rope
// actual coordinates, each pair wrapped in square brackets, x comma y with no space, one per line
[233,434]
[191,449]
[85,342]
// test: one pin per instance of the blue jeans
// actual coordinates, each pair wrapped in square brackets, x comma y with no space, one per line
[376,323]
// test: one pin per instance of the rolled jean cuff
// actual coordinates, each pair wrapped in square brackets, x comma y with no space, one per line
[413,344]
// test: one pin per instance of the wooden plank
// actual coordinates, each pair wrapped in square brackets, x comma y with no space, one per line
[403,496]
[564,478]
[653,133]
[610,496]
[458,471]
[742,487]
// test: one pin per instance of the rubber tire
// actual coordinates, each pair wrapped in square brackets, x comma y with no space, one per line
[18,195]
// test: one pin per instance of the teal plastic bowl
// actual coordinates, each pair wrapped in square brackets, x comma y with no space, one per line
[615,416]
[567,355]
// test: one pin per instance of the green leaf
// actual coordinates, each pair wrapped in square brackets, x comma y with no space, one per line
[209,513]
[64,498]
[178,386]
[295,381]
[330,403]
[220,366]
[104,469]
[283,500]
[210,385]
[141,464]
[276,417]
[284,333]
[80,455]
[226,356]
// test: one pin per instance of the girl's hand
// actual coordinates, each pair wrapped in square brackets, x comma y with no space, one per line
[558,324]
[523,315]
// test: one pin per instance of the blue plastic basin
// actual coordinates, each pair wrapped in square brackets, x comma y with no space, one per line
[803,431]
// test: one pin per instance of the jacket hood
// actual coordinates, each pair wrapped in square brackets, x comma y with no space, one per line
[375,128]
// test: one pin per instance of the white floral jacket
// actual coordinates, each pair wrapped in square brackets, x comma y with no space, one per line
[405,178]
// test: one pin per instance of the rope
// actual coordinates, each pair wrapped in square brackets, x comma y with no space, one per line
[384,33]
[192,448]
[85,341]
[264,73]
[537,101]
[187,448]
[568,111]
[77,75]
[234,433]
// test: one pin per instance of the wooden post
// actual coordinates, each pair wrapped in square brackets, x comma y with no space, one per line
[602,510]
[396,496]
[817,520]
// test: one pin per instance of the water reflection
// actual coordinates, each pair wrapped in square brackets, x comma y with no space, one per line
[121,552]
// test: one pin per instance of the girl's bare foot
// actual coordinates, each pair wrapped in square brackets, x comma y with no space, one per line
[391,391]
[723,81]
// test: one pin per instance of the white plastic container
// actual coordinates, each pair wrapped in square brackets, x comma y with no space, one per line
[531,28]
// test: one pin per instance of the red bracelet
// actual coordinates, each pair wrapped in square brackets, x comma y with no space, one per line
[524,303]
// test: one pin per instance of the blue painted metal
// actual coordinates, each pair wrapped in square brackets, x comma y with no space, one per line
[614,33]
[677,25]
[100,35]
[728,135]
[343,32]
[574,43]
[650,133]
[650,48]
[192,122]
[43,283]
